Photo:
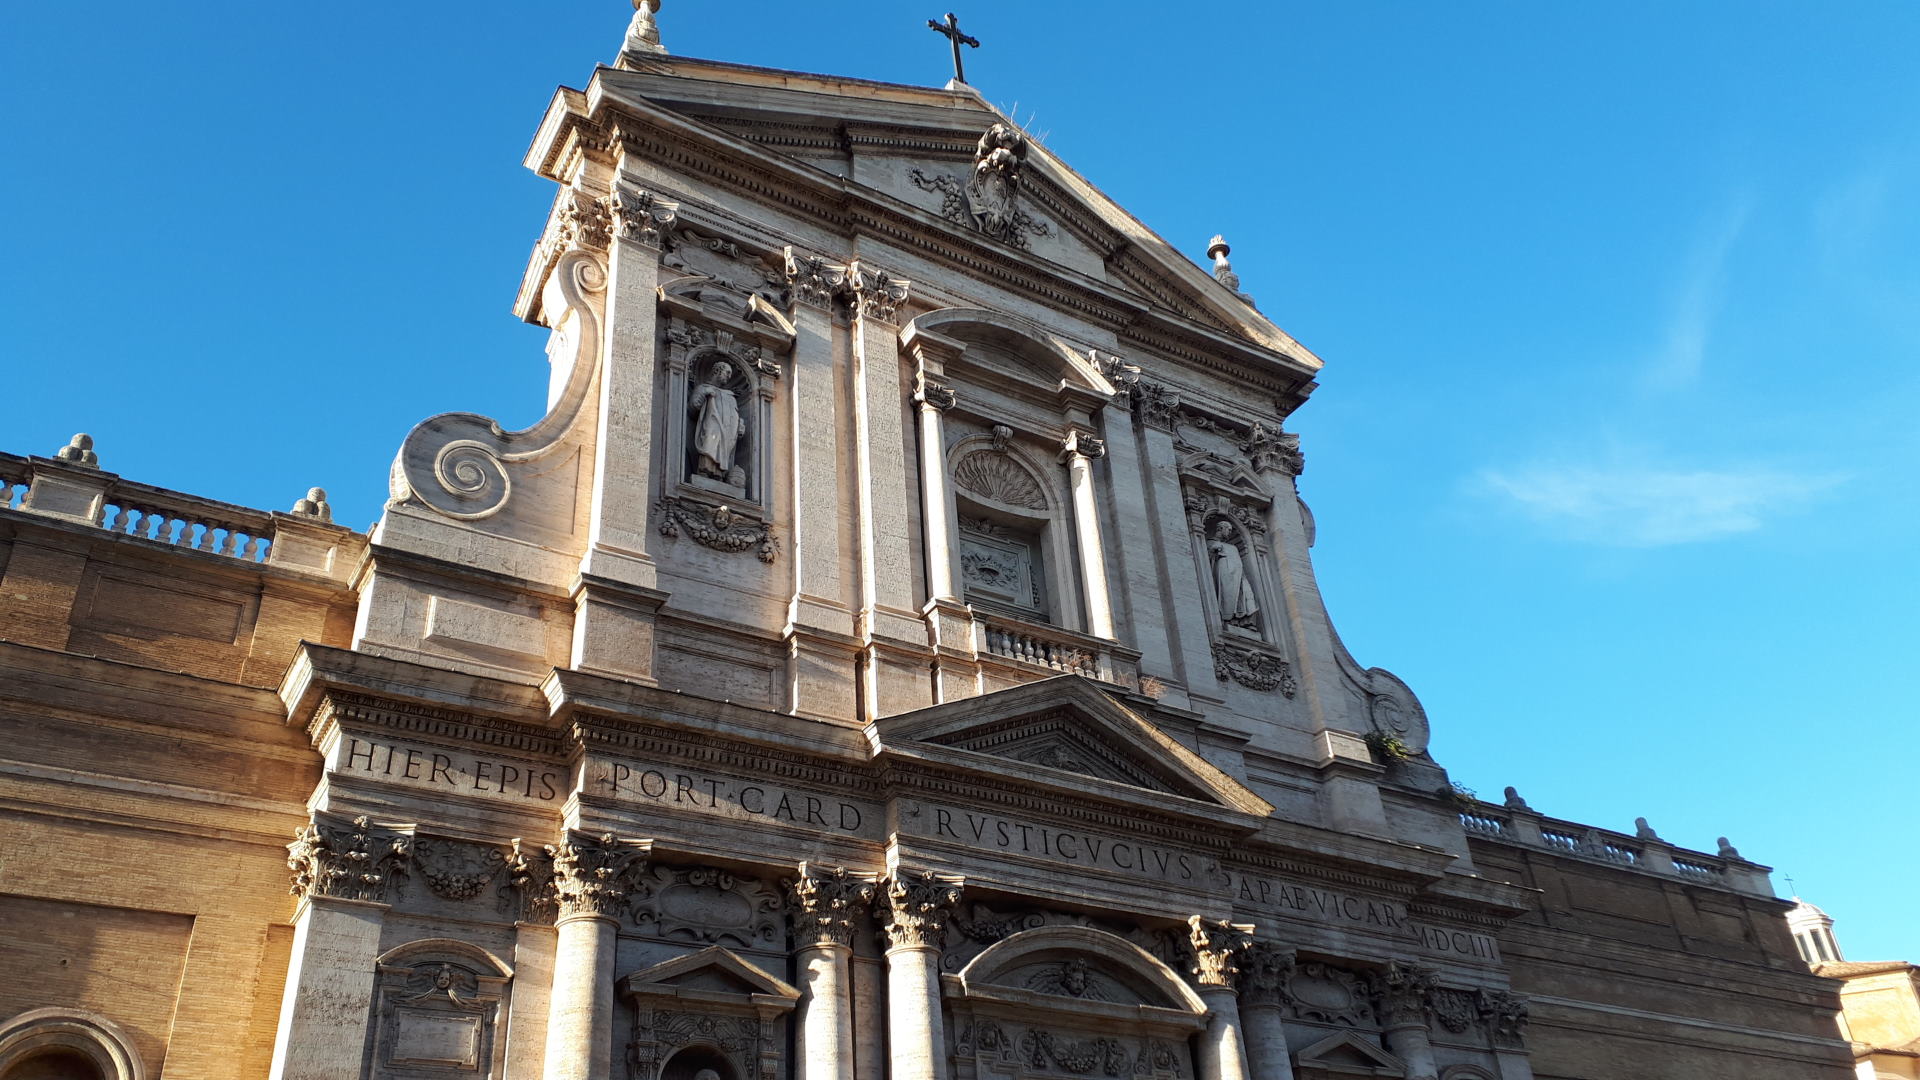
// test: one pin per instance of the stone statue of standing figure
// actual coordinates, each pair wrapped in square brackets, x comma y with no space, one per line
[1238,606]
[717,429]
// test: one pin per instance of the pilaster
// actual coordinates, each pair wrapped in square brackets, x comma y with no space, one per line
[344,872]
[1079,453]
[623,475]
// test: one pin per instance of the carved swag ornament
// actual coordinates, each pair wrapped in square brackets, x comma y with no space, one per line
[1252,668]
[718,527]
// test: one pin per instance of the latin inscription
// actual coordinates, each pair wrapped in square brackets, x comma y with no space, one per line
[1070,846]
[452,771]
[742,800]
[1385,916]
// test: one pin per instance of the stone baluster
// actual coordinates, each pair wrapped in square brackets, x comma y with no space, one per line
[1217,948]
[344,873]
[1079,453]
[1264,971]
[1403,990]
[592,877]
[827,902]
[915,914]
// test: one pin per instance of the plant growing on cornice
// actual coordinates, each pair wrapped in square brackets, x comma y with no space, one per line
[1461,796]
[1387,749]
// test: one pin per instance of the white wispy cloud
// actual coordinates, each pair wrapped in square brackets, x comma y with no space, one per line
[1682,353]
[1651,506]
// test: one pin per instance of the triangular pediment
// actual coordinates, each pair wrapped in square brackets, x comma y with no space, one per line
[1347,1054]
[917,146]
[713,971]
[1062,728]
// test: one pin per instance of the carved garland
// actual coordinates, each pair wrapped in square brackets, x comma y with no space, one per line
[1253,669]
[718,527]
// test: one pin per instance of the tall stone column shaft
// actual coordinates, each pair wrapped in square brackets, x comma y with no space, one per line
[592,876]
[1080,451]
[1264,970]
[826,904]
[917,905]
[1403,991]
[343,873]
[1217,949]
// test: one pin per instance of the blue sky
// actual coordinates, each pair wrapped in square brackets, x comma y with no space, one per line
[1613,460]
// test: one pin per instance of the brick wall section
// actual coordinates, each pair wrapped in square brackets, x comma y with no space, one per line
[148,786]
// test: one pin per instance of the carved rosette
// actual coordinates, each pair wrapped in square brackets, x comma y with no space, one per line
[719,527]
[1403,990]
[1265,969]
[595,875]
[916,907]
[1218,946]
[1253,669]
[1506,1017]
[826,904]
[875,293]
[354,860]
[641,216]
[812,279]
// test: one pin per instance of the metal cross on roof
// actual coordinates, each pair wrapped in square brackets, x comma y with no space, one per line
[952,33]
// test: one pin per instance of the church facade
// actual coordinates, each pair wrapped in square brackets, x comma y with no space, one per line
[895,655]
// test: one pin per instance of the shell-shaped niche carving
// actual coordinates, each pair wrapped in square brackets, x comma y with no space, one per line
[997,477]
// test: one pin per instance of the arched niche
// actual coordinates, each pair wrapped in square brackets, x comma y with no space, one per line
[439,1004]
[66,1044]
[1013,540]
[1071,999]
[707,1011]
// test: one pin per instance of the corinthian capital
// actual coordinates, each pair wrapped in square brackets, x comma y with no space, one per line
[1217,948]
[826,902]
[1403,991]
[594,875]
[355,860]
[1266,968]
[876,294]
[1506,1017]
[641,216]
[812,279]
[917,905]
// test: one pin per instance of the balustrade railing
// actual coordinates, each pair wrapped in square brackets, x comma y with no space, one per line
[1031,648]
[81,494]
[184,521]
[15,480]
[1517,823]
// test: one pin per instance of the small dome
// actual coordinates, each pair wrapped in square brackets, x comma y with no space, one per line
[1805,914]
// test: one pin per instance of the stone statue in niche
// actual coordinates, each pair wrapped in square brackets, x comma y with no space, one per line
[717,427]
[1238,605]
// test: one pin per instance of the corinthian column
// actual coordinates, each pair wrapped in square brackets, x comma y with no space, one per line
[592,876]
[1403,990]
[1264,971]
[1217,947]
[1079,453]
[826,902]
[915,912]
